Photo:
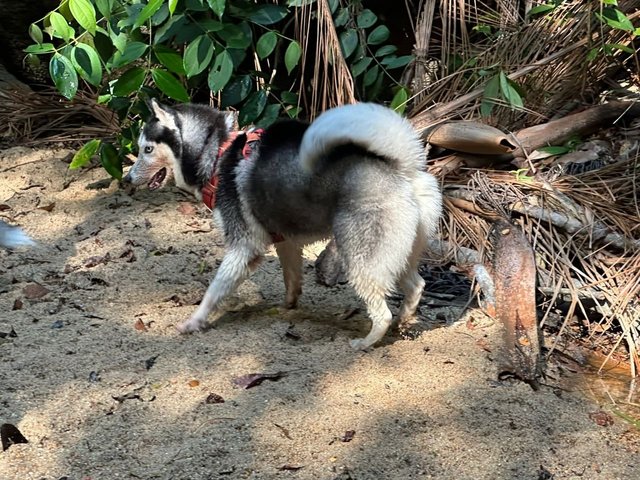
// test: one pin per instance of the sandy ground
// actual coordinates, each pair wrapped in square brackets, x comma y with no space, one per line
[102,386]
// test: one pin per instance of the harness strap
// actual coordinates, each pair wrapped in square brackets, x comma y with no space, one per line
[211,187]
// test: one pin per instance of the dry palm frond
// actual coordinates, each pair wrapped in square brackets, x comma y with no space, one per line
[331,81]
[585,231]
[35,117]
[547,54]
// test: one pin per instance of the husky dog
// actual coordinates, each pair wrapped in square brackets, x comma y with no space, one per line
[356,173]
[13,237]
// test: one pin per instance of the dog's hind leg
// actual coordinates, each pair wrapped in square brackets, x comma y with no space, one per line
[379,313]
[236,266]
[290,256]
[411,283]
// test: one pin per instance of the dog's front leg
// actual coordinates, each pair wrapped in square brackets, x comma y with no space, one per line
[236,266]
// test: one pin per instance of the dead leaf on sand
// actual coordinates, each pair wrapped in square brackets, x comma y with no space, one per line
[48,208]
[253,379]
[601,418]
[97,260]
[213,398]
[34,290]
[140,326]
[10,435]
[10,334]
[187,208]
[292,468]
[348,436]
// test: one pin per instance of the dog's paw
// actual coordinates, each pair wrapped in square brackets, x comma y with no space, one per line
[410,327]
[190,326]
[359,344]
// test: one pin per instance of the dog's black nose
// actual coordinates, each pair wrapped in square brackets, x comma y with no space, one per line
[126,179]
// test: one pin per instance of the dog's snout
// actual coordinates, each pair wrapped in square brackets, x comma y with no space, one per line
[127,178]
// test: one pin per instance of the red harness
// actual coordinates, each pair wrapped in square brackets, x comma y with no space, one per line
[211,187]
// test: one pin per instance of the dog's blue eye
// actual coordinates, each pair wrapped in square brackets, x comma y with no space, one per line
[148,149]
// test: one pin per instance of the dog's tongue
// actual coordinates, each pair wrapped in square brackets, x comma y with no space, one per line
[157,179]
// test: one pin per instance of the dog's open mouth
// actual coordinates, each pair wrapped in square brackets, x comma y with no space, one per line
[157,179]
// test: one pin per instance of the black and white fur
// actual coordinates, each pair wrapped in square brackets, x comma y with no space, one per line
[13,237]
[356,173]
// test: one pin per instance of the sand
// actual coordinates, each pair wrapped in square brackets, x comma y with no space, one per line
[103,387]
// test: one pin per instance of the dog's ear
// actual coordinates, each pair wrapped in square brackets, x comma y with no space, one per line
[162,113]
[230,120]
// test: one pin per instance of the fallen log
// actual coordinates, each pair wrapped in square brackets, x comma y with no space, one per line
[514,281]
[583,123]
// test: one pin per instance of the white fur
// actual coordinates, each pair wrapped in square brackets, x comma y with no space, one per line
[362,124]
[13,237]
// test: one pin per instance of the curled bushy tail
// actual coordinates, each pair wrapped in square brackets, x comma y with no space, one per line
[373,127]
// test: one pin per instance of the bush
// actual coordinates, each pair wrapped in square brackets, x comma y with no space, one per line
[240,51]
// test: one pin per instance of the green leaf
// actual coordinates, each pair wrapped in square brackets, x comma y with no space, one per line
[105,7]
[172,6]
[147,12]
[236,91]
[132,51]
[554,150]
[253,107]
[129,82]
[198,55]
[169,58]
[366,19]
[610,2]
[84,13]
[210,25]
[292,56]
[509,92]
[268,14]
[342,18]
[360,66]
[174,25]
[87,62]
[35,32]
[544,8]
[611,47]
[491,92]
[379,35]
[399,101]
[217,6]
[119,40]
[40,48]
[270,115]
[616,19]
[61,26]
[371,76]
[392,61]
[348,42]
[593,54]
[111,161]
[221,72]
[293,112]
[386,50]
[82,156]
[169,85]
[236,36]
[266,44]
[289,97]
[64,75]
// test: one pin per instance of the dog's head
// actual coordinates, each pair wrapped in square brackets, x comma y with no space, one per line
[159,149]
[181,143]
